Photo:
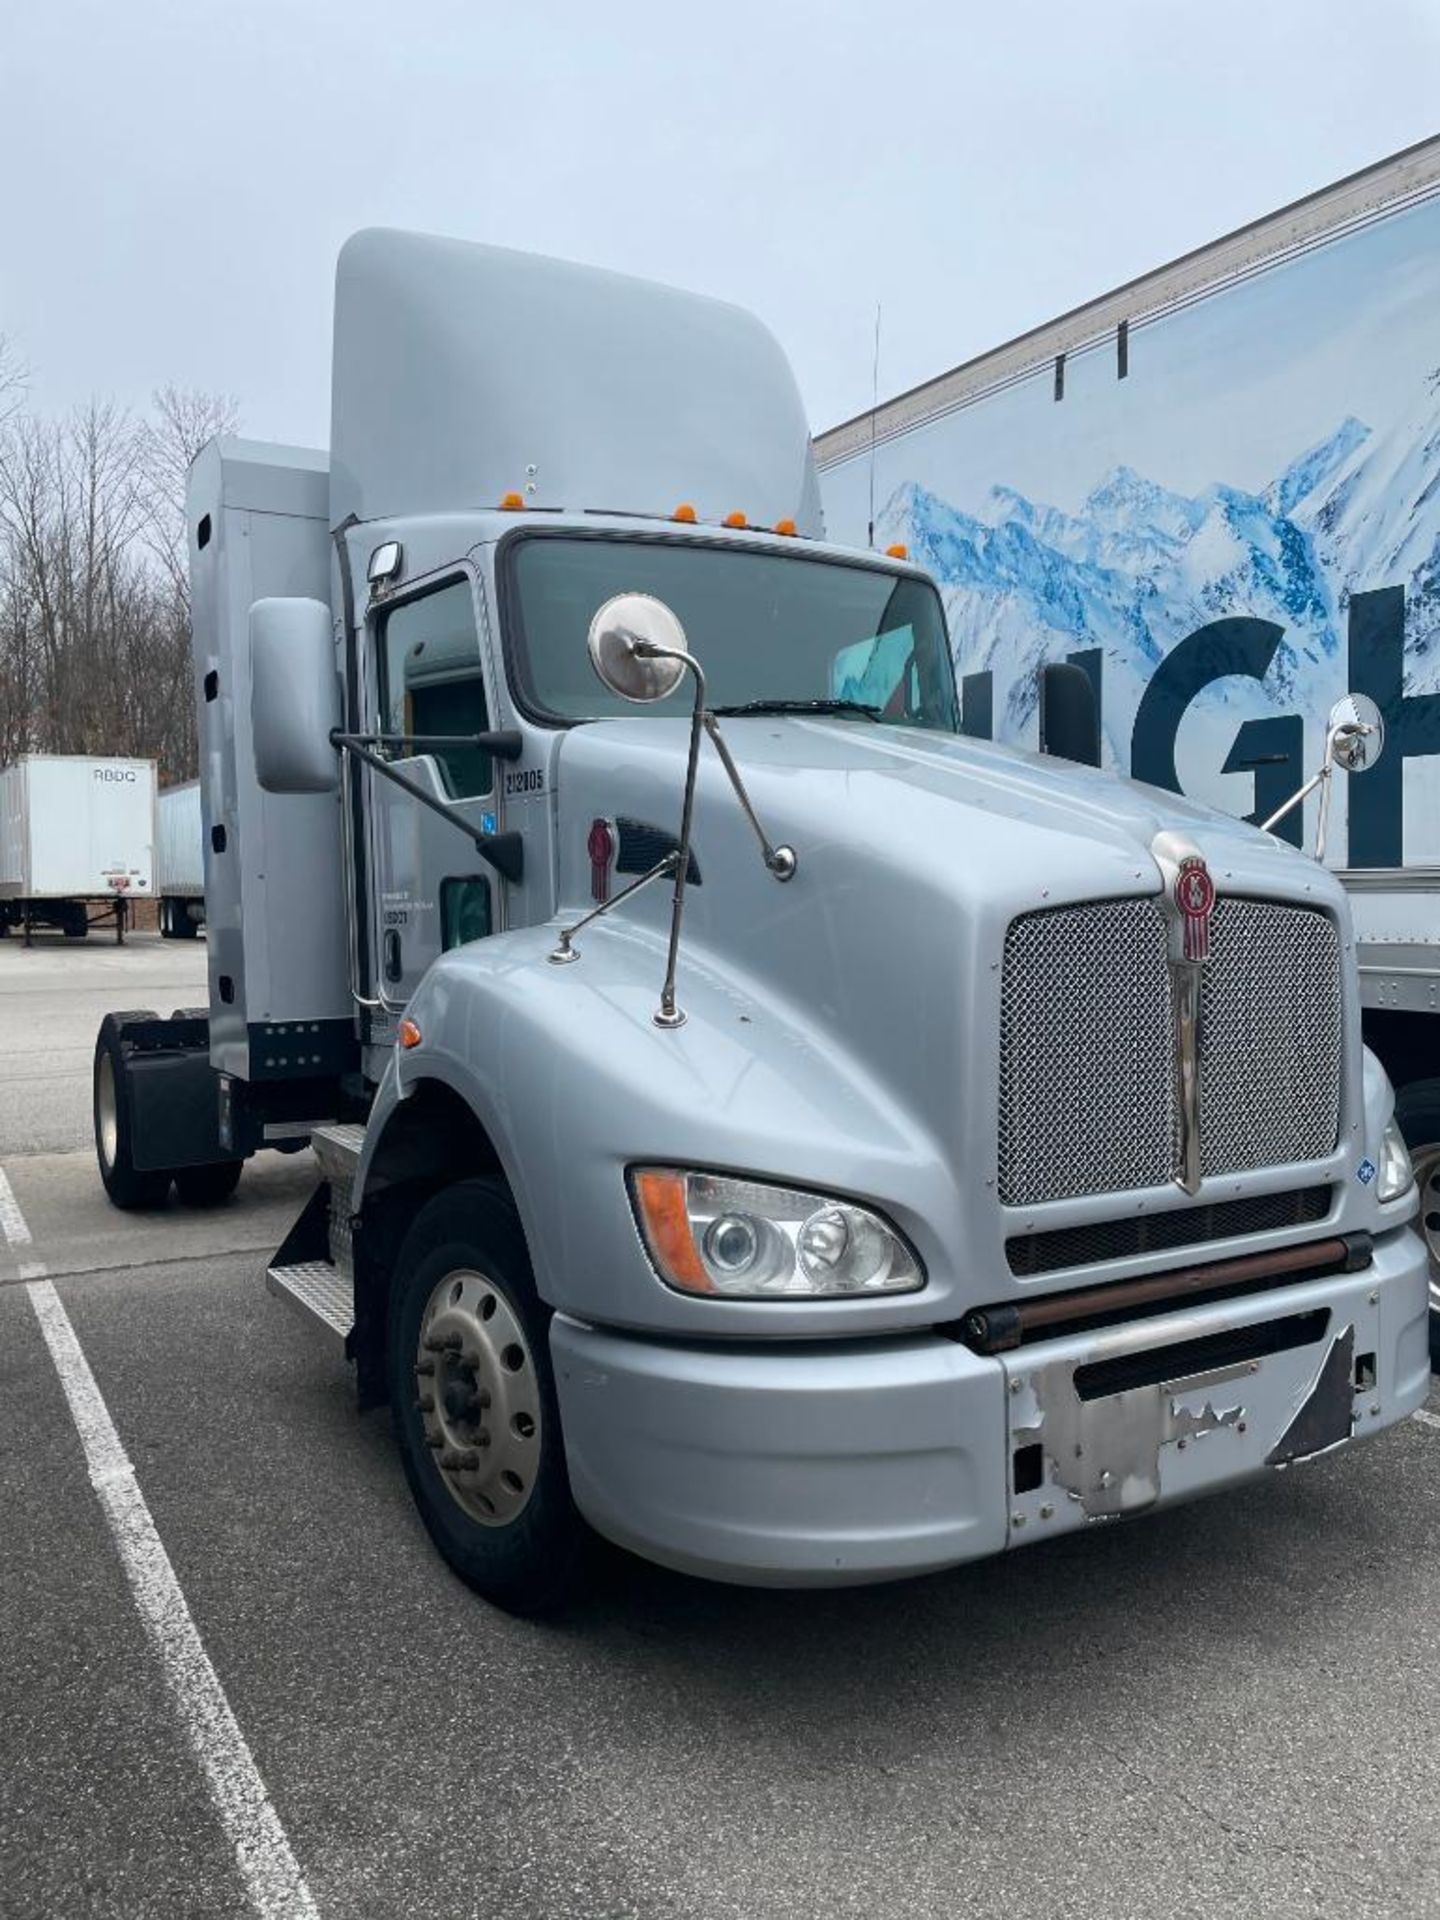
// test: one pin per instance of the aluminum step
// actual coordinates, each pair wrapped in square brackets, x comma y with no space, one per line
[320,1291]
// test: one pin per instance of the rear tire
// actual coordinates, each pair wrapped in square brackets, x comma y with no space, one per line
[129,1187]
[1417,1109]
[472,1396]
[208,1186]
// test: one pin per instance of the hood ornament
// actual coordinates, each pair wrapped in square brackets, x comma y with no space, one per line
[1187,902]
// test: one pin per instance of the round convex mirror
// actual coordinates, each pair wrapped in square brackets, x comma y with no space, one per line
[621,634]
[1357,729]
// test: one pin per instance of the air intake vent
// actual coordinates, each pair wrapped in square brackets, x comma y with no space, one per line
[1032,1253]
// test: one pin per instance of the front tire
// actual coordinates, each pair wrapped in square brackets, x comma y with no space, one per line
[129,1187]
[472,1395]
[1417,1109]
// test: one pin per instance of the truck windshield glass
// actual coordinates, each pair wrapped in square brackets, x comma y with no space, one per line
[809,634]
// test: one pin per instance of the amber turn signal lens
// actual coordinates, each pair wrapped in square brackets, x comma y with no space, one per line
[409,1034]
[660,1197]
[735,520]
[512,503]
[684,512]
[898,551]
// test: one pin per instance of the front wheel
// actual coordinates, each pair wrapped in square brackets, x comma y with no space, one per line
[472,1395]
[1417,1109]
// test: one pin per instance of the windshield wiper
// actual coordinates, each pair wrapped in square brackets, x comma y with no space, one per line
[801,706]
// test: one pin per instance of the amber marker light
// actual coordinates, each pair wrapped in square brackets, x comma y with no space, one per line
[736,519]
[787,527]
[409,1034]
[512,503]
[660,1198]
[898,552]
[685,513]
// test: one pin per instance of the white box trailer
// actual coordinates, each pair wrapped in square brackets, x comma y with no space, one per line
[77,841]
[180,862]
[1216,491]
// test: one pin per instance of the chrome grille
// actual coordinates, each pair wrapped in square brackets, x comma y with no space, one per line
[1087,1065]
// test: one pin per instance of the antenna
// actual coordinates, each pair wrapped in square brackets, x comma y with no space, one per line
[874,410]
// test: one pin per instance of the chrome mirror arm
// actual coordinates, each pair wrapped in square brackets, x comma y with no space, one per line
[668,1014]
[780,860]
[565,952]
[1342,744]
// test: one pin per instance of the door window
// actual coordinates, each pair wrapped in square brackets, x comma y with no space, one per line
[431,683]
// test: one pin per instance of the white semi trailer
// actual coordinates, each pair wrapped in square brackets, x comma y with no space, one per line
[1217,491]
[758,1123]
[77,842]
[180,862]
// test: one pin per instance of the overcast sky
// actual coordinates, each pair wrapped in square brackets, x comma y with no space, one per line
[178,175]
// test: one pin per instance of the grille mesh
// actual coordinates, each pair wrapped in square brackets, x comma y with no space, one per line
[1087,1080]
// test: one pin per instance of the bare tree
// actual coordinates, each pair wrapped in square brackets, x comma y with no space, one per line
[94,591]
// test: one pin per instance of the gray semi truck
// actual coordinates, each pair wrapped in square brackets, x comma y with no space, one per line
[758,1124]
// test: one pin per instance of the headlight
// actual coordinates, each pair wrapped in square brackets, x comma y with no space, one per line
[1396,1173]
[750,1241]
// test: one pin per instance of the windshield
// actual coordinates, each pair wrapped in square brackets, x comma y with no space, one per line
[768,628]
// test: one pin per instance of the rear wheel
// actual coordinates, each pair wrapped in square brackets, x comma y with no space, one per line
[472,1395]
[208,1186]
[128,1186]
[1417,1108]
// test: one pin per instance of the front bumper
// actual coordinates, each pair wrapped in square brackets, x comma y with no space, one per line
[841,1462]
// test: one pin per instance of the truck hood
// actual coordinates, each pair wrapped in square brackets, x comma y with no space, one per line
[935,816]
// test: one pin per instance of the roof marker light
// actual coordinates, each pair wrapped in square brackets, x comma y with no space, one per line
[899,551]
[512,503]
[787,527]
[684,512]
[736,519]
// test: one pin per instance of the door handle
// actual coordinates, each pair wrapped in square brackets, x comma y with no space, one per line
[394,965]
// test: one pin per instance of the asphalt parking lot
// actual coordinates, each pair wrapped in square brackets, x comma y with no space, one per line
[1228,1709]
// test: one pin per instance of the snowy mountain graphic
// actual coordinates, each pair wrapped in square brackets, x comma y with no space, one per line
[1140,566]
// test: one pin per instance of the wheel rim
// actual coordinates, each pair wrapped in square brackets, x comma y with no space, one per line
[478,1398]
[1427,1179]
[107,1122]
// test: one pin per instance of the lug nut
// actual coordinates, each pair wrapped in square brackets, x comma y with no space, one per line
[426,1403]
[434,1441]
[424,1366]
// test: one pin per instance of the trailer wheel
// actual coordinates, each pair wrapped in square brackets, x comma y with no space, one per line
[1417,1108]
[128,1186]
[473,1399]
[210,1185]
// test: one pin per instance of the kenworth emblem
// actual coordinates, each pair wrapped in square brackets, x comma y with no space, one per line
[1195,897]
[1187,900]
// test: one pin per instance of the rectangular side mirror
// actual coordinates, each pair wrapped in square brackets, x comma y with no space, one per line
[294,696]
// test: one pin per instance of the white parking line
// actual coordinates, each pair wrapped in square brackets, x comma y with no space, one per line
[269,1869]
[16,1232]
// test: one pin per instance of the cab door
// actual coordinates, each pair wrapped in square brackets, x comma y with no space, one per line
[431,889]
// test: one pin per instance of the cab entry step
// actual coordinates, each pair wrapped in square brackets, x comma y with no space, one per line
[319,1290]
[314,1268]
